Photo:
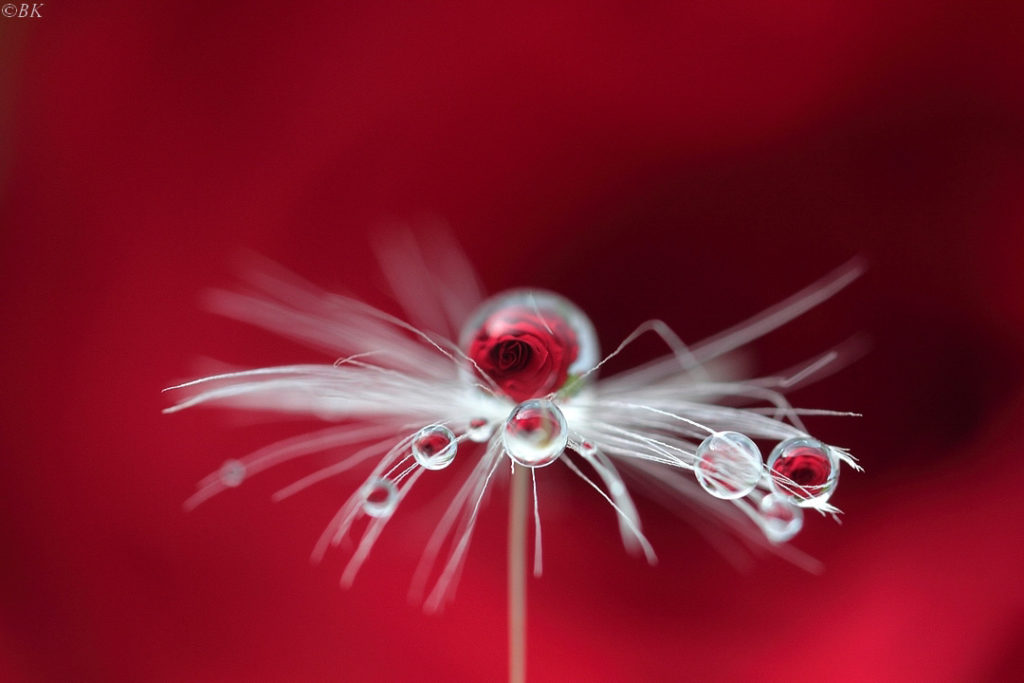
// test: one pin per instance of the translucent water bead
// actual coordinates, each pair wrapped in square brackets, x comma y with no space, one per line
[535,433]
[529,343]
[434,447]
[804,471]
[782,520]
[232,473]
[380,497]
[728,465]
[479,430]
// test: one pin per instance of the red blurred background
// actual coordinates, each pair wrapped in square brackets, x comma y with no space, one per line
[689,161]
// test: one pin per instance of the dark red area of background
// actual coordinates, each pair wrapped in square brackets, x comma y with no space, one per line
[689,161]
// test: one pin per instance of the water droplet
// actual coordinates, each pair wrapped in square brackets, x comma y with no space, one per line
[479,430]
[803,470]
[535,433]
[380,497]
[232,473]
[728,465]
[587,449]
[782,521]
[434,447]
[529,343]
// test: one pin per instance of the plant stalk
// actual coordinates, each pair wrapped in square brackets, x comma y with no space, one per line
[517,515]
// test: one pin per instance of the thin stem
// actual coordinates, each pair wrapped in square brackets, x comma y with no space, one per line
[517,513]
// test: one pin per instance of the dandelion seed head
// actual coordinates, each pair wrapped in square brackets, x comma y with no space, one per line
[519,386]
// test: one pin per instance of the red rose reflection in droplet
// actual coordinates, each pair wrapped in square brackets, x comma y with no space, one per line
[807,467]
[803,469]
[432,444]
[527,352]
[434,447]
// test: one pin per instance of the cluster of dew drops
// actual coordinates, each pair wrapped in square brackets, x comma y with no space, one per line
[534,435]
[801,472]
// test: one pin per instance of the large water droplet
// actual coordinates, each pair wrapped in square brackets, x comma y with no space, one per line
[434,447]
[529,343]
[479,430]
[728,465]
[380,497]
[782,520]
[232,473]
[804,471]
[535,433]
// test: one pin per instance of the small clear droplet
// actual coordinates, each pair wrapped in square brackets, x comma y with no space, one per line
[587,449]
[728,465]
[535,433]
[380,497]
[782,520]
[479,430]
[232,473]
[434,447]
[803,470]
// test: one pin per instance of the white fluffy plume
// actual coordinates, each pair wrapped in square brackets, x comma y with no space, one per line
[645,424]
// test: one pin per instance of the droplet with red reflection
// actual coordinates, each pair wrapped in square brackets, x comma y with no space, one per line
[529,344]
[479,430]
[535,433]
[380,497]
[781,520]
[434,447]
[804,471]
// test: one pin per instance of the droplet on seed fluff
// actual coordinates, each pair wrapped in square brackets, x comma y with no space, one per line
[529,343]
[380,497]
[434,447]
[232,473]
[479,430]
[728,465]
[535,433]
[804,471]
[587,449]
[782,520]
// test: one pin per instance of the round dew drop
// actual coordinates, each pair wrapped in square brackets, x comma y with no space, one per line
[527,344]
[380,497]
[232,473]
[479,430]
[434,447]
[728,465]
[803,471]
[535,433]
[782,520]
